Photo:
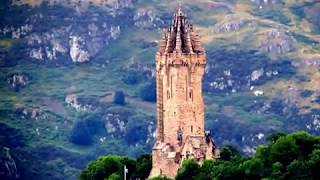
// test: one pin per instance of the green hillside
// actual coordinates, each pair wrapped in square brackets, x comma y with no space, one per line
[61,63]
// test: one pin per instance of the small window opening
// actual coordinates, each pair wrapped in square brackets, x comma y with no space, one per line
[191,95]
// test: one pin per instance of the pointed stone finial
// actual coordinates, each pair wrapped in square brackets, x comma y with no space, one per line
[189,45]
[168,44]
[179,6]
[178,38]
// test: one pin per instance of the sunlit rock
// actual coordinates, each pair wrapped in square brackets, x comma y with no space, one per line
[78,53]
[276,41]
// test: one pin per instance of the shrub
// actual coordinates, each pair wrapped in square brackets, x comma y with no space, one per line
[114,176]
[148,92]
[136,130]
[228,153]
[132,77]
[144,164]
[111,167]
[119,98]
[188,171]
[80,134]
[102,168]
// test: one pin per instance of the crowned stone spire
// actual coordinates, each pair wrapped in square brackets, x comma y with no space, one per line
[180,37]
[180,134]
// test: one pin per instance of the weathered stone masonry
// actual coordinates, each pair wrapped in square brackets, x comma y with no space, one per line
[180,64]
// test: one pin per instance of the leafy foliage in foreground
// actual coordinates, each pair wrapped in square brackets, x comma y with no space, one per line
[293,156]
[112,167]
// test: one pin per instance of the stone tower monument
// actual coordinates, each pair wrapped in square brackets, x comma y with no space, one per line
[180,135]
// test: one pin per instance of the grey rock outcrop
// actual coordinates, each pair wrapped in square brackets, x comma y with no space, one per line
[81,104]
[74,38]
[231,23]
[78,53]
[16,32]
[33,113]
[276,41]
[18,80]
[256,74]
[114,124]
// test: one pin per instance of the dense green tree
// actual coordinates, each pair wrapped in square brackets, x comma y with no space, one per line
[130,164]
[298,169]
[293,156]
[276,170]
[80,134]
[208,170]
[132,77]
[189,170]
[253,168]
[119,98]
[136,129]
[284,150]
[144,164]
[104,167]
[148,92]
[114,176]
[228,152]
[305,142]
[275,136]
[112,167]
[314,163]
[229,170]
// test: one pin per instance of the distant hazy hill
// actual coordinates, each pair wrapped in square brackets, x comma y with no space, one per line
[61,63]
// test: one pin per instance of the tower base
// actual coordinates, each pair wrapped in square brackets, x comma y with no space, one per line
[167,158]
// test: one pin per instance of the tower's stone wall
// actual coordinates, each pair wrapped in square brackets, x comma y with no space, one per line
[180,64]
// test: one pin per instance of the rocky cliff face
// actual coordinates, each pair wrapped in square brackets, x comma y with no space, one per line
[277,41]
[82,32]
[77,51]
[231,23]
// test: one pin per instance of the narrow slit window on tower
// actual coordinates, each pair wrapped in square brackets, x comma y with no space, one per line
[168,94]
[191,95]
[191,129]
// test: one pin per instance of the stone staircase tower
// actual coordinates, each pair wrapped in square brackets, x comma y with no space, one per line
[180,135]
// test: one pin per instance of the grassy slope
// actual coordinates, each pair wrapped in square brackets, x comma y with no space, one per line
[93,80]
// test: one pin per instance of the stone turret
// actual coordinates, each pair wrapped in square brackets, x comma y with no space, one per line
[180,64]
